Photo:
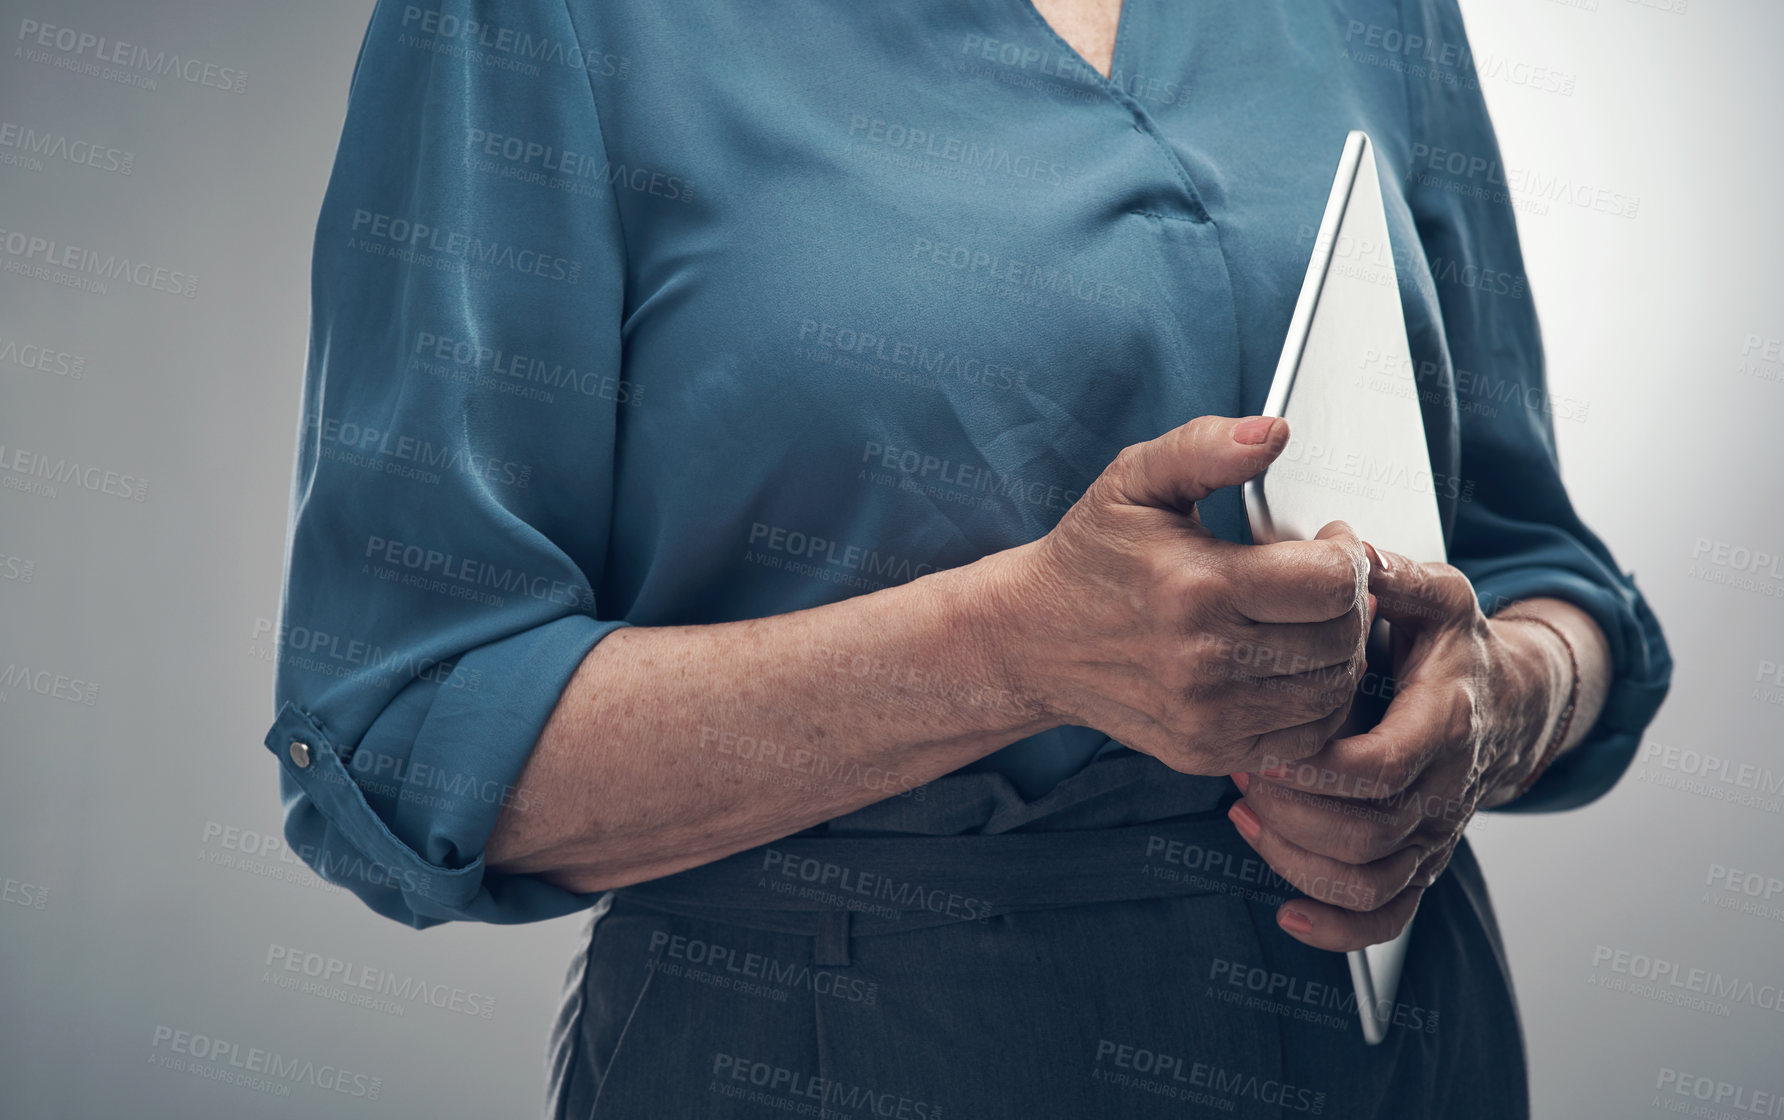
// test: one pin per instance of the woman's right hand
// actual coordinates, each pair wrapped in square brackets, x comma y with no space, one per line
[1130,617]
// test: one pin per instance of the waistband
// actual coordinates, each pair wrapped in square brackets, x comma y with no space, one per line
[833,888]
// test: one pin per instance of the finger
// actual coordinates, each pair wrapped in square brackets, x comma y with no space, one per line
[1347,886]
[1300,581]
[1435,862]
[1191,461]
[1297,742]
[1388,758]
[1355,832]
[1282,649]
[1330,927]
[1420,594]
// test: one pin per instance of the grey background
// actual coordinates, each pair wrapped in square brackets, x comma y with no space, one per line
[128,904]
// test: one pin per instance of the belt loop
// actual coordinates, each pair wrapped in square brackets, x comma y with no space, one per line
[831,943]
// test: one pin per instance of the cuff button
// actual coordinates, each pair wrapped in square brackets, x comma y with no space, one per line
[300,754]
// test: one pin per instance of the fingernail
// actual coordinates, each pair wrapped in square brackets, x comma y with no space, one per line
[1293,920]
[1255,430]
[1245,820]
[1376,559]
[1276,772]
[1241,779]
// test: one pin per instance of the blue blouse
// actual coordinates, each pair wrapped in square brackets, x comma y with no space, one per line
[636,313]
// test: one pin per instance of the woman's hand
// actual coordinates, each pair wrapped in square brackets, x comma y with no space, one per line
[1365,825]
[1132,618]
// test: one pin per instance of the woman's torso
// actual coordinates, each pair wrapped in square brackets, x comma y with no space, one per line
[902,279]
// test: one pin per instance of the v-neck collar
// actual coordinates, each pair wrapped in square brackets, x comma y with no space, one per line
[1123,24]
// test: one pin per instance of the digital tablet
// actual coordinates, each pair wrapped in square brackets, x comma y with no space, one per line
[1356,450]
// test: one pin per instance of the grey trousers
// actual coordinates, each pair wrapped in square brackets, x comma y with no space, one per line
[1108,951]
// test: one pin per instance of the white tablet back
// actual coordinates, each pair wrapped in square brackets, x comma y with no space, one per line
[1346,385]
[1356,450]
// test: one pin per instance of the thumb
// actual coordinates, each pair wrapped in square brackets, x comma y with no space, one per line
[1192,461]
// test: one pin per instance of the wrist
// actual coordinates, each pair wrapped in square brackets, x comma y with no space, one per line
[992,631]
[1540,666]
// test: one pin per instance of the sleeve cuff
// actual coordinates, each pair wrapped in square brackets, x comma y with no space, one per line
[402,817]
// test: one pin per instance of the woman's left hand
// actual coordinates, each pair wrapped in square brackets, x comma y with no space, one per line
[1365,825]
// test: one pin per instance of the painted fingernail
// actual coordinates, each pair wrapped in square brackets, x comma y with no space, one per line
[1241,779]
[1376,560]
[1293,920]
[1254,430]
[1245,820]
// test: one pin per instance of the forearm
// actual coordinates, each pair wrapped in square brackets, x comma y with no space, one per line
[1551,672]
[675,746]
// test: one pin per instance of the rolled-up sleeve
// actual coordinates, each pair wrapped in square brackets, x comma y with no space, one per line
[453,480]
[1516,533]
